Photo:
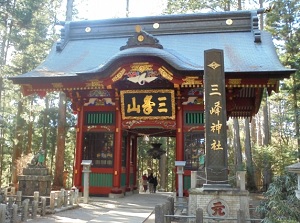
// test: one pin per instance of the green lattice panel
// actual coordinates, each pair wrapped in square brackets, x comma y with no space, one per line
[194,118]
[123,179]
[186,182]
[101,179]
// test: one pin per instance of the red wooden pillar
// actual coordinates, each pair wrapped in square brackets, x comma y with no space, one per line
[118,148]
[78,153]
[179,137]
[179,132]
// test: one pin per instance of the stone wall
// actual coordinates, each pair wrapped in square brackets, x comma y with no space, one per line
[35,179]
[218,203]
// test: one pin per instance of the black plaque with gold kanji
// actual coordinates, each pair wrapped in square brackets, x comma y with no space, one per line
[148,104]
[215,117]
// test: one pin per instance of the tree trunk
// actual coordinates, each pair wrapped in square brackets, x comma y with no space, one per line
[253,131]
[45,128]
[127,8]
[261,16]
[237,145]
[259,131]
[249,163]
[30,129]
[17,150]
[267,171]
[69,11]
[297,114]
[60,152]
[266,128]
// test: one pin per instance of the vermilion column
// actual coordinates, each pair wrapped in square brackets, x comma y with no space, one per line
[179,132]
[78,153]
[179,137]
[118,148]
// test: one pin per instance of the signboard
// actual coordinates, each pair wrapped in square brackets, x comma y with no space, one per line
[148,104]
[215,118]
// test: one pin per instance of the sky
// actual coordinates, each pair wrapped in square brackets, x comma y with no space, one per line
[103,9]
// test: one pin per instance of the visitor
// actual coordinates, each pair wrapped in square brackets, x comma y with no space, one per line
[151,183]
[154,184]
[145,182]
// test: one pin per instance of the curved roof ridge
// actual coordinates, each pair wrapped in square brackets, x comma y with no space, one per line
[175,60]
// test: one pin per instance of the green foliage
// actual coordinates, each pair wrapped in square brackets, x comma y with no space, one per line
[26,35]
[196,6]
[283,23]
[280,204]
[272,157]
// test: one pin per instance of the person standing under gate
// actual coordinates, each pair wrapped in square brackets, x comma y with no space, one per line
[145,182]
[154,184]
[151,183]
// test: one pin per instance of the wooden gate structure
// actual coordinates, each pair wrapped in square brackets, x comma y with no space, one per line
[131,77]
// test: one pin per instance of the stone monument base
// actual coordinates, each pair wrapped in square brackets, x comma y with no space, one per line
[220,203]
[35,178]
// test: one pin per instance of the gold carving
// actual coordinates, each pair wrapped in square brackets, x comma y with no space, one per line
[272,81]
[91,127]
[229,22]
[95,83]
[141,67]
[88,29]
[119,75]
[27,86]
[214,65]
[216,145]
[192,81]
[165,73]
[140,38]
[234,81]
[57,85]
[138,28]
[135,107]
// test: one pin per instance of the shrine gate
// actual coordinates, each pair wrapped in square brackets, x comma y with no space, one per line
[131,77]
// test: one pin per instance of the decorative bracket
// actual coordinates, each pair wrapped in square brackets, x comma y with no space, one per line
[141,39]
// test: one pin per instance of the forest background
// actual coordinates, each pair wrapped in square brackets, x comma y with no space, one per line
[263,146]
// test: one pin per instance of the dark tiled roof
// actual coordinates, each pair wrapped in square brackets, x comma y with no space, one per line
[93,46]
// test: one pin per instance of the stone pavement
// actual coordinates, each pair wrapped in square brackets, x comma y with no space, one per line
[136,208]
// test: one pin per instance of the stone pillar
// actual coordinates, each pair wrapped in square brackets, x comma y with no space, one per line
[216,165]
[159,214]
[86,178]
[180,172]
[2,212]
[193,179]
[241,180]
